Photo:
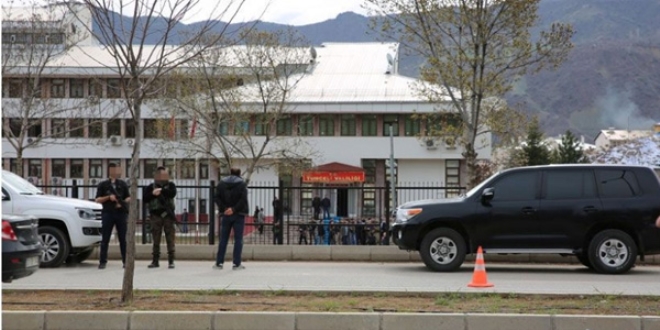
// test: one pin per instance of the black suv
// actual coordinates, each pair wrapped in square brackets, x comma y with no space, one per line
[603,214]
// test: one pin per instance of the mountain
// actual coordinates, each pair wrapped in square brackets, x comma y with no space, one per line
[609,80]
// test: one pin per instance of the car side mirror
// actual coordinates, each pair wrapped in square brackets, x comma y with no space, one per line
[488,194]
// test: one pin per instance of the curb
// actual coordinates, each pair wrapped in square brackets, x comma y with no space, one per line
[143,320]
[338,253]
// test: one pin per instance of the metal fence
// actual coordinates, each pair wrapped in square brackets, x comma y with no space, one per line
[356,213]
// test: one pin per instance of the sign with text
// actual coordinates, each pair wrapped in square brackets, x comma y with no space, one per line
[332,177]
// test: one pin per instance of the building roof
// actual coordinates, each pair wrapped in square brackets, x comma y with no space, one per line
[622,135]
[335,167]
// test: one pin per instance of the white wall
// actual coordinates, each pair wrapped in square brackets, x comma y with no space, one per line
[421,172]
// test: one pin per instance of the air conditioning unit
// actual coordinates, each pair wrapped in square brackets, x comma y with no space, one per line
[94,182]
[450,143]
[33,180]
[430,144]
[130,142]
[30,140]
[56,181]
[115,140]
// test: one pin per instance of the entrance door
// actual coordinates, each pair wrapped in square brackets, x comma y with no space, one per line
[342,202]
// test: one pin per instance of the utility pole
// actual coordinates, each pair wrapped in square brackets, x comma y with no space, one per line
[392,176]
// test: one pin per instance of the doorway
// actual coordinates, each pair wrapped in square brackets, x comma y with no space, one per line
[342,202]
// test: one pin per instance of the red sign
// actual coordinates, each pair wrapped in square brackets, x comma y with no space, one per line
[332,177]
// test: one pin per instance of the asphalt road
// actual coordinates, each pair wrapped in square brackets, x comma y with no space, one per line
[333,276]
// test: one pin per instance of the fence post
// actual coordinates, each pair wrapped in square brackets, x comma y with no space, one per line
[211,217]
[74,193]
[280,192]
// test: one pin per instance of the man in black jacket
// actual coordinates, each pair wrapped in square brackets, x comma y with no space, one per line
[114,195]
[159,199]
[316,205]
[231,198]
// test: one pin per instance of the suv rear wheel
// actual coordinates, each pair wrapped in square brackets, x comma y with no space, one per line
[443,250]
[612,251]
[56,247]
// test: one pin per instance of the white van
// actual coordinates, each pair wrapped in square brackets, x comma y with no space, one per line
[69,228]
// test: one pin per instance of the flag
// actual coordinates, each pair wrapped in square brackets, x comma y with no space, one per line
[194,127]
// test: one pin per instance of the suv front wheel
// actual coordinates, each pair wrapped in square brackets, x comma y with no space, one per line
[612,251]
[443,250]
[55,245]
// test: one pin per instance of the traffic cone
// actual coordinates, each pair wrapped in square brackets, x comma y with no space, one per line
[480,279]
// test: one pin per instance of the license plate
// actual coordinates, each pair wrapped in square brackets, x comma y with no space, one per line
[32,261]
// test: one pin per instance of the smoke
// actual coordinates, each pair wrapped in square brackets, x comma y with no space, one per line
[619,111]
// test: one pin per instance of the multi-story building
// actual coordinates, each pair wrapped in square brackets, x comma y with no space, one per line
[343,107]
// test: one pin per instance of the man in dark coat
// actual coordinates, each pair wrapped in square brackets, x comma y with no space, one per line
[232,200]
[316,205]
[325,204]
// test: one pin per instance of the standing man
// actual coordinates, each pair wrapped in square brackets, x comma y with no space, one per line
[232,201]
[278,219]
[159,197]
[113,194]
[316,205]
[184,219]
[325,203]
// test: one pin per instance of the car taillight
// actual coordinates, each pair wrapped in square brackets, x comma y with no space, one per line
[7,231]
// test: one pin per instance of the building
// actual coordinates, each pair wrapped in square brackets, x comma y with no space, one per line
[612,137]
[344,107]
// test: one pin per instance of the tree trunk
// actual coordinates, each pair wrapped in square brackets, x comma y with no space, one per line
[19,161]
[127,285]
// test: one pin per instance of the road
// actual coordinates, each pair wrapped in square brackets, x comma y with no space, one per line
[333,276]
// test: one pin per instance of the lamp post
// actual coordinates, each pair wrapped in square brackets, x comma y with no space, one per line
[392,177]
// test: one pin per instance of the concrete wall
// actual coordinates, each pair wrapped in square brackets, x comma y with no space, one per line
[421,171]
[138,320]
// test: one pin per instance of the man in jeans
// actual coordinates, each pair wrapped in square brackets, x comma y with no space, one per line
[113,194]
[231,198]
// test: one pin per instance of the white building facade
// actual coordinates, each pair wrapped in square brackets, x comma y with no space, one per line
[351,94]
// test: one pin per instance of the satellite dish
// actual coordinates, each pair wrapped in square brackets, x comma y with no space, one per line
[390,59]
[312,51]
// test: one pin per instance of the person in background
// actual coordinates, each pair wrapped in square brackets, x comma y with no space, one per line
[184,220]
[302,232]
[159,198]
[316,205]
[113,194]
[325,204]
[232,201]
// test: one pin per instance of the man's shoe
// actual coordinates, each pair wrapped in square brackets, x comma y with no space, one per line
[171,265]
[170,261]
[123,266]
[217,266]
[239,267]
[101,266]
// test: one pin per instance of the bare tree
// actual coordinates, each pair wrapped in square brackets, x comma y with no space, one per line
[242,115]
[35,37]
[143,48]
[474,51]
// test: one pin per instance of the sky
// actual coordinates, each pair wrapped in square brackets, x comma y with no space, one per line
[293,12]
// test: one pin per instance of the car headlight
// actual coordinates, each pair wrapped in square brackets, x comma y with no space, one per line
[87,214]
[403,215]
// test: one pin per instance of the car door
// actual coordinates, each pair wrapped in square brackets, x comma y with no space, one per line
[510,212]
[569,207]
[619,190]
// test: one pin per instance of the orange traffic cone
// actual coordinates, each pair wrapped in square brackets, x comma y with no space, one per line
[480,279]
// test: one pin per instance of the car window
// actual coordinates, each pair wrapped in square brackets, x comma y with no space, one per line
[5,195]
[617,183]
[516,186]
[569,184]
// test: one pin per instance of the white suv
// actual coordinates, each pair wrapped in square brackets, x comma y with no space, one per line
[69,228]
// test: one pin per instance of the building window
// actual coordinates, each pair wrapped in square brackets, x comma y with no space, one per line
[76,168]
[369,125]
[204,169]
[58,168]
[393,121]
[76,128]
[223,126]
[95,168]
[348,125]
[188,169]
[327,125]
[150,166]
[369,192]
[58,128]
[34,128]
[57,89]
[34,168]
[34,88]
[114,127]
[170,165]
[412,126]
[95,88]
[15,126]
[130,130]
[95,129]
[452,177]
[76,88]
[114,88]
[242,127]
[306,125]
[261,126]
[306,196]
[15,88]
[12,165]
[284,127]
[155,128]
